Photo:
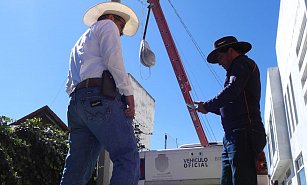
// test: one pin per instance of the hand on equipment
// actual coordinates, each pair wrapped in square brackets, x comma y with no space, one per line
[200,107]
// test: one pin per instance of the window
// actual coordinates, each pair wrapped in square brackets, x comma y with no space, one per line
[270,155]
[287,116]
[293,100]
[288,179]
[271,138]
[288,173]
[272,135]
[300,170]
[290,105]
[289,182]
[303,54]
[290,110]
[304,76]
[301,34]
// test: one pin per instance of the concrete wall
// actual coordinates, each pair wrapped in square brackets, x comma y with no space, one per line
[276,126]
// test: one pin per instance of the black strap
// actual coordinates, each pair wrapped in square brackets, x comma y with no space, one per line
[146,24]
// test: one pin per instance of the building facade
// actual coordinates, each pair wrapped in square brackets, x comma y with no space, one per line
[285,113]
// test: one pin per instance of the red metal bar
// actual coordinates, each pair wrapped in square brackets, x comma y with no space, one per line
[178,67]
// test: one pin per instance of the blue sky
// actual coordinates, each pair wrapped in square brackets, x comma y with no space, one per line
[36,38]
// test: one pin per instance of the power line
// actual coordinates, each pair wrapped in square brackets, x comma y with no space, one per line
[143,3]
[217,78]
[207,127]
[57,94]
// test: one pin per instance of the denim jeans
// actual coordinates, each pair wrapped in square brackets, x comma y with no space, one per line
[240,154]
[98,123]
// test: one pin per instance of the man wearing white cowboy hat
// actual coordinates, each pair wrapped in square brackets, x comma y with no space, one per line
[239,108]
[98,120]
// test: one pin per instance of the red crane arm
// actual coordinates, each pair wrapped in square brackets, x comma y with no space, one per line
[178,67]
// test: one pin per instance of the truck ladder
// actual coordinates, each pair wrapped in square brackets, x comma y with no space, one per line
[177,67]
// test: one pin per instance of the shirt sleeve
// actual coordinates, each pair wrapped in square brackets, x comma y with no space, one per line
[72,80]
[238,77]
[110,47]
[69,85]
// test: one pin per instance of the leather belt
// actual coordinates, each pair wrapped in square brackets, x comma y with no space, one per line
[90,82]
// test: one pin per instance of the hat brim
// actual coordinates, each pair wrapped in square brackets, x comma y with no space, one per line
[243,47]
[132,22]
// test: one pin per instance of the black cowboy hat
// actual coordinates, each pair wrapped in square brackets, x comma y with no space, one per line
[227,42]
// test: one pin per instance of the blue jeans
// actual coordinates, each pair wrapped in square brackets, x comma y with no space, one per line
[98,123]
[240,154]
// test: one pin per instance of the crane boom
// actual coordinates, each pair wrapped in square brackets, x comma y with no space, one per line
[177,67]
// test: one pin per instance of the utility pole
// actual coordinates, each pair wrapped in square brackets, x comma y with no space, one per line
[165,140]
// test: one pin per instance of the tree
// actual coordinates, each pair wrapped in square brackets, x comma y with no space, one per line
[32,153]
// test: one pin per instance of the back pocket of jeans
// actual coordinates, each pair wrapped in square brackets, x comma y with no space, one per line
[96,108]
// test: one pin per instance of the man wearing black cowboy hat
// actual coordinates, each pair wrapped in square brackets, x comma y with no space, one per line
[239,108]
[98,120]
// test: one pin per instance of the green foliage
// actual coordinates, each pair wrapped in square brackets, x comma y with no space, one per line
[138,133]
[5,120]
[32,153]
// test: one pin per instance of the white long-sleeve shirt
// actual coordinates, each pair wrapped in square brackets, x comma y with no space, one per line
[98,49]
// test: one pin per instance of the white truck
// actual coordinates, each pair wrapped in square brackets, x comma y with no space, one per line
[187,165]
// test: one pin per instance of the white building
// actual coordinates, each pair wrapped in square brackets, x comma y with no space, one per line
[286,98]
[144,113]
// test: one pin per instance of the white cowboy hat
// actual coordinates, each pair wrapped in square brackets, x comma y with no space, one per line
[132,22]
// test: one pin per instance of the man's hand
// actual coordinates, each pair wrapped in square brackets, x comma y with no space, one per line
[130,111]
[200,107]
